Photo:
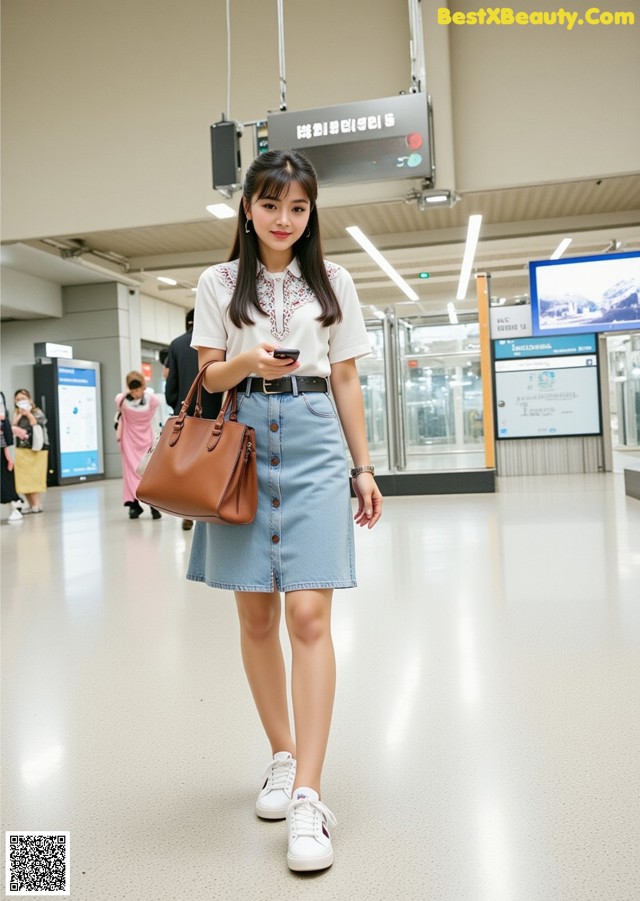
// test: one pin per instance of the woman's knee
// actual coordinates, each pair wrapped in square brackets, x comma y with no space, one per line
[308,619]
[258,616]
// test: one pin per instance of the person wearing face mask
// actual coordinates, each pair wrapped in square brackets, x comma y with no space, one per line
[31,456]
[137,422]
[9,495]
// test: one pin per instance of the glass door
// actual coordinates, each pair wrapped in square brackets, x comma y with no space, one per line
[440,395]
[623,353]
[374,392]
[423,395]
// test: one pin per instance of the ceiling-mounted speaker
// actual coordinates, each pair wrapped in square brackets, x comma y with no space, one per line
[225,156]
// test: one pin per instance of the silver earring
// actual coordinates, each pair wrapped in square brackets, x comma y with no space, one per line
[308,234]
[247,230]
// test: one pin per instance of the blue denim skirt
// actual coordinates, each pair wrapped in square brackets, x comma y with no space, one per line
[302,536]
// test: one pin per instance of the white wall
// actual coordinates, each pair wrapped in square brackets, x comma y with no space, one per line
[160,322]
[107,105]
[28,294]
[541,103]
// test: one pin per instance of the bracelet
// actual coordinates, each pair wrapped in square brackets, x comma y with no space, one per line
[358,469]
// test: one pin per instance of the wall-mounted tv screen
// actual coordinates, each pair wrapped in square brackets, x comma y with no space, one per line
[585,294]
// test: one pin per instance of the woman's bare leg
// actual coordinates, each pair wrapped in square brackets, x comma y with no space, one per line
[308,617]
[259,615]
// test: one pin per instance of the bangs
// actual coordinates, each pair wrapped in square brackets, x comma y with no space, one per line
[276,183]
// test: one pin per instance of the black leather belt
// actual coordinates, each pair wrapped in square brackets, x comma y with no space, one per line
[305,384]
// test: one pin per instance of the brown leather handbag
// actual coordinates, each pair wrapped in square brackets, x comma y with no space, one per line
[203,469]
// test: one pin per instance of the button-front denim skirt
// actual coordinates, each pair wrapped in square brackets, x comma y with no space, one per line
[302,536]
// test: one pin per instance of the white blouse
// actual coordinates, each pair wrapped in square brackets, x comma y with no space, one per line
[291,310]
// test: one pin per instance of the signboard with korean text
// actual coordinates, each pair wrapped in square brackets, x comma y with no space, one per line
[510,322]
[546,387]
[370,140]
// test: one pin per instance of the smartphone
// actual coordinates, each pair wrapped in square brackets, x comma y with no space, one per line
[286,353]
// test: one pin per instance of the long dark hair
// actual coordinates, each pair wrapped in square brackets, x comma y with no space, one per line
[270,175]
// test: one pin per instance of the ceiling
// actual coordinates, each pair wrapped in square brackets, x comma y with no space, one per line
[519,225]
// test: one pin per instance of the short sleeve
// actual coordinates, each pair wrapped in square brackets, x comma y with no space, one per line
[208,322]
[347,339]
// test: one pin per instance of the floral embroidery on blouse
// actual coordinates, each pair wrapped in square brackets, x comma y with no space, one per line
[295,293]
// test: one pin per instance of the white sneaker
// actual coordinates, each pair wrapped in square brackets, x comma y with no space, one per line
[275,795]
[15,516]
[309,839]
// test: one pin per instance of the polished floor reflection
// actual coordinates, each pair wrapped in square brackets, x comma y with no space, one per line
[486,736]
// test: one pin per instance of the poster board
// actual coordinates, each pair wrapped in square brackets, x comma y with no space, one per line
[546,387]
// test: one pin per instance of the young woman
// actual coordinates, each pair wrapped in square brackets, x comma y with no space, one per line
[138,409]
[30,463]
[277,292]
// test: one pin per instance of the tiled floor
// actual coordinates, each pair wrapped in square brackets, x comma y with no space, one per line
[486,737]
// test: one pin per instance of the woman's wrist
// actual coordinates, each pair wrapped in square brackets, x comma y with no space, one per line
[358,470]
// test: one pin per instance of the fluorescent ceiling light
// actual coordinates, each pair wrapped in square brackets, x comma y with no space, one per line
[382,262]
[453,316]
[436,198]
[473,233]
[221,210]
[433,197]
[166,281]
[560,249]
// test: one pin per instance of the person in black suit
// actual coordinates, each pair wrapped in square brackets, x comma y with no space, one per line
[181,366]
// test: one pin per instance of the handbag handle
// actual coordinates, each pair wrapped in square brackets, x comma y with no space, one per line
[231,400]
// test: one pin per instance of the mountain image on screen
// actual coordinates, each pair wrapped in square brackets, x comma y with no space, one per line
[619,303]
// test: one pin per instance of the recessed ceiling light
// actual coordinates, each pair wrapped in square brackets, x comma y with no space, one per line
[166,281]
[221,210]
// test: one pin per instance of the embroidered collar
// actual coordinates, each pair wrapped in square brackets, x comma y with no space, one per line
[293,268]
[281,304]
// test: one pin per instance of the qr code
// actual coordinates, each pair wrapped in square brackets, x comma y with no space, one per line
[37,863]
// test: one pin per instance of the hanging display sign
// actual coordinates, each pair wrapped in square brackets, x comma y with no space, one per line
[46,349]
[370,140]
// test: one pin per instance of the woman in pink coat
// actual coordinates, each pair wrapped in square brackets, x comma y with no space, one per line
[137,426]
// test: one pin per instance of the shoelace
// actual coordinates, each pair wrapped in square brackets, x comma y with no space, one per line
[304,813]
[280,773]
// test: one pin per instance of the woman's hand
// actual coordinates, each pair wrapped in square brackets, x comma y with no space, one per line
[19,432]
[264,364]
[225,373]
[369,500]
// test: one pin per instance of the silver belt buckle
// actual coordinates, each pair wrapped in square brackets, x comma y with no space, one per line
[265,390]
